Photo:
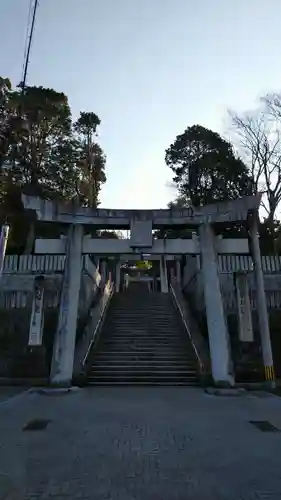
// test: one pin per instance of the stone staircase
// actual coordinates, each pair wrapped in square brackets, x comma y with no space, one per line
[142,342]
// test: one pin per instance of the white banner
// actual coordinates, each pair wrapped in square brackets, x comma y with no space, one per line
[36,320]
[245,326]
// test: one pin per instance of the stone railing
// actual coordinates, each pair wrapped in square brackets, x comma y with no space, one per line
[192,328]
[92,329]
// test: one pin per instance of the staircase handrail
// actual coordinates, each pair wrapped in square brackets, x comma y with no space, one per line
[199,360]
[110,285]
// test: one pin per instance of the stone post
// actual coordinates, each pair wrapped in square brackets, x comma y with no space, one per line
[198,284]
[163,275]
[3,244]
[166,271]
[64,342]
[178,272]
[118,276]
[103,273]
[261,301]
[217,327]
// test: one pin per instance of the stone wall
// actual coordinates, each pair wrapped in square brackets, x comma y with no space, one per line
[17,359]
[246,356]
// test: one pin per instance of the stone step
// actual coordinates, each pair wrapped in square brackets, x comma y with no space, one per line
[147,296]
[142,378]
[139,331]
[143,363]
[163,318]
[145,352]
[143,342]
[141,381]
[153,325]
[166,315]
[142,370]
[144,326]
[145,313]
[151,348]
[171,353]
[147,329]
[142,338]
[143,299]
[135,337]
[131,361]
[160,383]
[184,357]
[138,343]
[141,305]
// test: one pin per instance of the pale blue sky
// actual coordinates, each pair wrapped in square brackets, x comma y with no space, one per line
[148,68]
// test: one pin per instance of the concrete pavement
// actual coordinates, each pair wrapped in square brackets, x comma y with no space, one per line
[140,444]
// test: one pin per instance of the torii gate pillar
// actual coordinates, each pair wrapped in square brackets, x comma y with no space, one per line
[261,301]
[64,342]
[217,328]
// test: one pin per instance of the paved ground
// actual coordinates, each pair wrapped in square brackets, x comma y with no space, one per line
[140,444]
[6,393]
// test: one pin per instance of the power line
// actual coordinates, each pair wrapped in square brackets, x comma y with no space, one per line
[27,37]
[23,84]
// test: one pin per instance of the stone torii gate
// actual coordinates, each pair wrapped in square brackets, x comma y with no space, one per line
[141,223]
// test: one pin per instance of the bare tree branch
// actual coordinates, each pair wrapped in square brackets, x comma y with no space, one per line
[258,140]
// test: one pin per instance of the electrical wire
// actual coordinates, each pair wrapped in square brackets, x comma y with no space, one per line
[26,38]
[29,44]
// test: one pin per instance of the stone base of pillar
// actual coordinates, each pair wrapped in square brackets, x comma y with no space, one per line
[257,386]
[60,385]
[224,384]
[225,391]
[270,385]
[56,391]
